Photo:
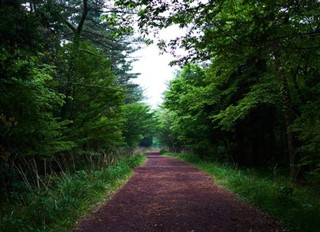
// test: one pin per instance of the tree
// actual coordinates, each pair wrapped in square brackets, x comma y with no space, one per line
[228,117]
[97,120]
[139,123]
[65,78]
[281,33]
[91,32]
[167,134]
[186,98]
[28,99]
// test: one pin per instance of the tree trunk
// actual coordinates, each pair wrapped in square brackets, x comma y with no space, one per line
[289,115]
[67,111]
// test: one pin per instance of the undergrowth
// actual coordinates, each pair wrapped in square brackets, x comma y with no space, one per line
[57,206]
[293,207]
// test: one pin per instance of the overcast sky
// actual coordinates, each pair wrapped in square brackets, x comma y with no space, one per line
[155,73]
[154,68]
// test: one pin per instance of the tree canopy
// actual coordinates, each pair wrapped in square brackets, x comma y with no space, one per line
[248,90]
[259,86]
[66,84]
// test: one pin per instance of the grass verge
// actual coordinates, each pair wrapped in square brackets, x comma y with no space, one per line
[293,207]
[69,196]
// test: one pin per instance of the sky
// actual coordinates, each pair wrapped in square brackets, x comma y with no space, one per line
[155,69]
[155,73]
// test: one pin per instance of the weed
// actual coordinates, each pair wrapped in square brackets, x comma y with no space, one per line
[285,193]
[57,206]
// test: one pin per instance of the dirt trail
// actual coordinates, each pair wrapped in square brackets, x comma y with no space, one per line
[169,195]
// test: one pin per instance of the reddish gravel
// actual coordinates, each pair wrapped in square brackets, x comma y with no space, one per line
[169,195]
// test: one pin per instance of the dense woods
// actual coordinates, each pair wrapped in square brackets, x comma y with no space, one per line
[248,90]
[67,97]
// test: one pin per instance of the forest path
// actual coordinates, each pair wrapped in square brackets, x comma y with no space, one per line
[167,194]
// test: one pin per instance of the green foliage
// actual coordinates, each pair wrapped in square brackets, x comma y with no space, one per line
[19,29]
[262,74]
[29,100]
[209,113]
[65,77]
[62,93]
[139,123]
[307,127]
[95,104]
[262,93]
[295,207]
[166,132]
[184,119]
[66,197]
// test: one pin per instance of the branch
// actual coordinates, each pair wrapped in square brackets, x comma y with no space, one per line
[90,52]
[70,25]
[83,16]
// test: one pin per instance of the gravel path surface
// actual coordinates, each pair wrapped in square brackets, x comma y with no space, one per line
[169,195]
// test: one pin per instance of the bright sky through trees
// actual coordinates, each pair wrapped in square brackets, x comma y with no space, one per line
[154,67]
[155,73]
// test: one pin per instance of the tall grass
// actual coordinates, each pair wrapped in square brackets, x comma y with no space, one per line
[293,207]
[64,198]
